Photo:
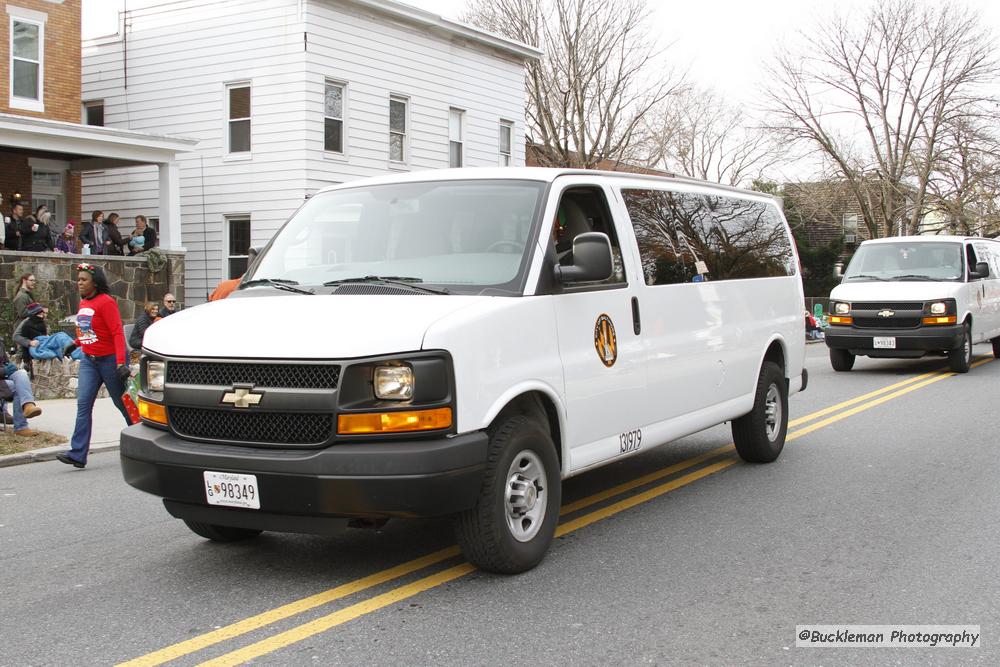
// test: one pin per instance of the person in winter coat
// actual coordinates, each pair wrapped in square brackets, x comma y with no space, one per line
[35,234]
[149,315]
[113,241]
[99,333]
[23,297]
[33,335]
[66,243]
[89,231]
[12,227]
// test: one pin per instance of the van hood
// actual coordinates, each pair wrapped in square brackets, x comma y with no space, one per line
[302,327]
[895,291]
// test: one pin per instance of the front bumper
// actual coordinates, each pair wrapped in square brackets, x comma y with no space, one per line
[302,490]
[909,342]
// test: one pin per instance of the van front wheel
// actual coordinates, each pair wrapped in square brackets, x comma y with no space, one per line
[513,522]
[841,360]
[996,347]
[960,359]
[759,435]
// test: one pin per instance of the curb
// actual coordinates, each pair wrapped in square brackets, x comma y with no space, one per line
[49,453]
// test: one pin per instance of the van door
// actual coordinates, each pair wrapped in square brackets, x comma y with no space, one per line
[987,292]
[600,350]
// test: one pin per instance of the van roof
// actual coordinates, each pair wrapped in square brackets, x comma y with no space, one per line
[926,239]
[543,174]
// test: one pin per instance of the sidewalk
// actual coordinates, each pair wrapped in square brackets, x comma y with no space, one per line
[59,416]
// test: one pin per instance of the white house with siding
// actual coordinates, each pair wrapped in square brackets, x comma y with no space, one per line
[286,97]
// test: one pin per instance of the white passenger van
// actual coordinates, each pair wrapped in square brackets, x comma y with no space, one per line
[457,342]
[904,297]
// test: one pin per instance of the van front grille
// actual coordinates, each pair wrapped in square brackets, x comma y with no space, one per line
[258,374]
[277,428]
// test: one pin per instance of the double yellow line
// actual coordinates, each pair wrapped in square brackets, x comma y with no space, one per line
[815,421]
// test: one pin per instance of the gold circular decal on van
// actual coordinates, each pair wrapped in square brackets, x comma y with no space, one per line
[605,341]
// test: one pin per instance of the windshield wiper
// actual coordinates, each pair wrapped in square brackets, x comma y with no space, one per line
[277,283]
[399,281]
[912,276]
[865,275]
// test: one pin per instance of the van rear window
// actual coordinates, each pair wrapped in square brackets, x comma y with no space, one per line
[688,237]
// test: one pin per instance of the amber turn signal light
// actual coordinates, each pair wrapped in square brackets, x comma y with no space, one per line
[840,319]
[944,319]
[394,422]
[154,412]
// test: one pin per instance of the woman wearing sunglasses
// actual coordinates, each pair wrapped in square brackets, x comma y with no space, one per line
[99,333]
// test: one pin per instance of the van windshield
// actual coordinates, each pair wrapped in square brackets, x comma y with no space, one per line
[906,261]
[461,237]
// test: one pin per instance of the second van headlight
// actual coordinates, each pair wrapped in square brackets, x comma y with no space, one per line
[841,308]
[155,374]
[394,383]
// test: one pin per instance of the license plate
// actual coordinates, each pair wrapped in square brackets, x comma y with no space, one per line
[885,342]
[232,490]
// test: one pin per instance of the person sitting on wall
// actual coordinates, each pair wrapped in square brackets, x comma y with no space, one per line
[15,387]
[150,314]
[32,334]
[66,243]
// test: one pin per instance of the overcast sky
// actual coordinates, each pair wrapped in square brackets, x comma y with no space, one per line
[723,42]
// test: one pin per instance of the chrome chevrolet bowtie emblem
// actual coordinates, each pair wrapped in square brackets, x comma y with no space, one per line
[886,313]
[241,397]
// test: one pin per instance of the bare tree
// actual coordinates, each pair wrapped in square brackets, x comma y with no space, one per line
[696,133]
[964,189]
[874,95]
[598,79]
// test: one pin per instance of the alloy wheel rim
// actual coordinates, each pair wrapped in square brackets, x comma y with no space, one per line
[525,496]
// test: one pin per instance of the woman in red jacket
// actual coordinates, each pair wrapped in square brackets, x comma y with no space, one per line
[99,333]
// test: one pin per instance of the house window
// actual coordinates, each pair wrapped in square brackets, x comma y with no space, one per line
[506,140]
[397,129]
[239,245]
[27,58]
[455,137]
[93,113]
[851,227]
[333,112]
[238,96]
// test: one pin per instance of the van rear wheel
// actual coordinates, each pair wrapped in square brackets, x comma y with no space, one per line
[513,522]
[759,435]
[960,359]
[221,533]
[841,360]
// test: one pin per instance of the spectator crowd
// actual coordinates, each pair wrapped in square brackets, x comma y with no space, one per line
[34,232]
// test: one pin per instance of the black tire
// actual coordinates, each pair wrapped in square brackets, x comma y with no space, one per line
[759,435]
[221,533]
[996,347]
[486,533]
[960,359]
[841,360]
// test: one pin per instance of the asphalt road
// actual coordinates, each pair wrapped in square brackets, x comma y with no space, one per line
[884,510]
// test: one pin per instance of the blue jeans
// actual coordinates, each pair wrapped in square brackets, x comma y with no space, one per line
[20,384]
[94,371]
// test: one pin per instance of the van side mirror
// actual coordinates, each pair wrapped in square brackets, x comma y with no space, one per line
[591,259]
[982,271]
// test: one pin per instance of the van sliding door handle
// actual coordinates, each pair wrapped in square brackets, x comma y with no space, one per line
[636,323]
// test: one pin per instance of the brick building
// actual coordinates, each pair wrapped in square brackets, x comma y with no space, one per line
[47,137]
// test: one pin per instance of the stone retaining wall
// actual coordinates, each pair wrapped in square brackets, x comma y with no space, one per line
[132,282]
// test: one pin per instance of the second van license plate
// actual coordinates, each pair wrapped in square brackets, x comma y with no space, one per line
[885,342]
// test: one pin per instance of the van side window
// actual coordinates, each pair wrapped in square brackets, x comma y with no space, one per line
[688,237]
[586,210]
[970,256]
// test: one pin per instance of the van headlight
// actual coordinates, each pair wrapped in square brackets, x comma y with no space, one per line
[394,383]
[841,308]
[938,308]
[155,374]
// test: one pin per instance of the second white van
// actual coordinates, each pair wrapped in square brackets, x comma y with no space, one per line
[905,297]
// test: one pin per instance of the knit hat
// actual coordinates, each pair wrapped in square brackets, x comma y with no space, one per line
[34,308]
